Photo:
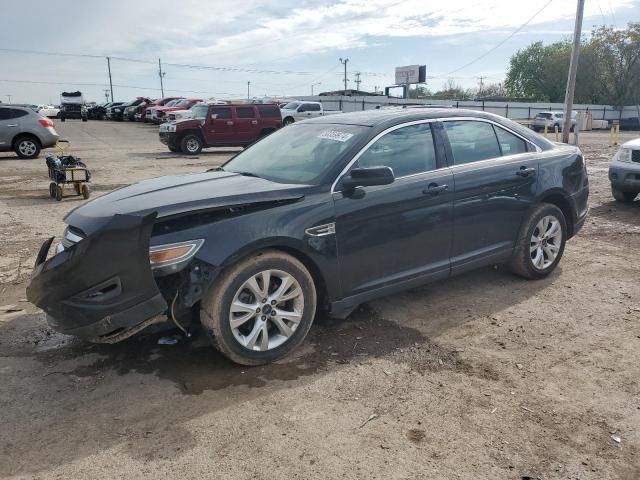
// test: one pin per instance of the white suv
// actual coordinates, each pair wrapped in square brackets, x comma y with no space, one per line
[551,120]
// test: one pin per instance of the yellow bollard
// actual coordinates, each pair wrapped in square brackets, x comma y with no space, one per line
[611,136]
[545,130]
[557,133]
[617,134]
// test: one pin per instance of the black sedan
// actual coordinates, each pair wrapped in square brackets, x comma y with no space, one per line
[327,213]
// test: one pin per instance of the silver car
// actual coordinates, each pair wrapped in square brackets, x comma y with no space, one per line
[25,132]
[624,172]
[552,120]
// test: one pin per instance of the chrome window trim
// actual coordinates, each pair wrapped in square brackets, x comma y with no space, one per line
[432,120]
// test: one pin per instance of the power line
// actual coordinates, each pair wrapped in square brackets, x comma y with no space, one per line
[103,85]
[502,42]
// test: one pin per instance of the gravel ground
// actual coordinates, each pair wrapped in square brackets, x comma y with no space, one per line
[482,376]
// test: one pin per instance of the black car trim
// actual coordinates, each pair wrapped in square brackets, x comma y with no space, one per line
[89,286]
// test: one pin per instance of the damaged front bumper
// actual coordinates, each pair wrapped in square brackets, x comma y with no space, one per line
[101,288]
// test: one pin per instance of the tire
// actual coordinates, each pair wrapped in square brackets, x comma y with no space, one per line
[77,188]
[572,128]
[191,144]
[86,191]
[230,287]
[624,197]
[288,121]
[84,119]
[522,262]
[63,119]
[58,193]
[27,146]
[174,149]
[52,189]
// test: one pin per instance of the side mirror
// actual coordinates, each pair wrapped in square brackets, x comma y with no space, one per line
[367,177]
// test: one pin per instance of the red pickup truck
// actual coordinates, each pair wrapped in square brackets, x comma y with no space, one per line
[184,104]
[142,114]
[220,126]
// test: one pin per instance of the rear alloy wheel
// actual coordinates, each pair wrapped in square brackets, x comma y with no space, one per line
[191,144]
[541,242]
[27,147]
[260,309]
[624,197]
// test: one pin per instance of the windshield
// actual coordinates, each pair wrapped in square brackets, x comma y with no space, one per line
[291,106]
[170,103]
[296,154]
[544,115]
[180,103]
[200,111]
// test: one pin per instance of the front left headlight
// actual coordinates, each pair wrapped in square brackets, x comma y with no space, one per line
[171,127]
[173,255]
[623,155]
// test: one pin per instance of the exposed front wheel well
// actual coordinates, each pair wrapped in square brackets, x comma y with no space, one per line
[565,206]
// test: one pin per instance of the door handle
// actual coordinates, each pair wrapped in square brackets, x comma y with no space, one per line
[12,125]
[254,122]
[525,172]
[435,189]
[229,122]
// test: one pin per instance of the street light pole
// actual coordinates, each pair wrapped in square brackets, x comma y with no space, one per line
[161,75]
[344,62]
[313,85]
[110,82]
[248,91]
[9,98]
[573,68]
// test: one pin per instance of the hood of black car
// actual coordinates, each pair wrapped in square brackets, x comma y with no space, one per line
[179,194]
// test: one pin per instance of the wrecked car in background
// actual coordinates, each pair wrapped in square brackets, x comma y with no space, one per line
[328,213]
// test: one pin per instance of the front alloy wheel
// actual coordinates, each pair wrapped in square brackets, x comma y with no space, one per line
[266,310]
[260,308]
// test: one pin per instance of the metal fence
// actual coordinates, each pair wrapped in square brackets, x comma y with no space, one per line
[627,116]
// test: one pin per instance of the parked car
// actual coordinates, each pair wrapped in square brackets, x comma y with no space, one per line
[49,111]
[136,106]
[328,213]
[124,111]
[624,172]
[152,113]
[99,112]
[161,113]
[72,106]
[552,120]
[179,115]
[25,132]
[145,114]
[220,126]
[296,111]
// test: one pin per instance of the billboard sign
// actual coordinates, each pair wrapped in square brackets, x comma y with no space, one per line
[411,74]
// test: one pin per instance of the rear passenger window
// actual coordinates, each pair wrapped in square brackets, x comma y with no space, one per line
[244,112]
[221,113]
[11,113]
[311,107]
[407,150]
[269,111]
[471,141]
[509,143]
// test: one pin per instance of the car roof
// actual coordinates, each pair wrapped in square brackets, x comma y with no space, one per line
[632,144]
[382,117]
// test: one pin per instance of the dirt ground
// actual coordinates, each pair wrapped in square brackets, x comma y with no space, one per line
[483,376]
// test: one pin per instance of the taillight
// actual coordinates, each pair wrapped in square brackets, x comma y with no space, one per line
[45,122]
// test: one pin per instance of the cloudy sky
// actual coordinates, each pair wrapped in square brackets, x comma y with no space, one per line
[281,46]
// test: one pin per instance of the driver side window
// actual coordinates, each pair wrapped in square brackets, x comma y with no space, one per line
[407,150]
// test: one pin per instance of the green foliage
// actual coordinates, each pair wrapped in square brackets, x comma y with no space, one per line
[608,69]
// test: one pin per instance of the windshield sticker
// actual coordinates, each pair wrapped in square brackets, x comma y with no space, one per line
[335,135]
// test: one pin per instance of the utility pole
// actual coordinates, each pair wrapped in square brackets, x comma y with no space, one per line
[344,62]
[358,81]
[161,74]
[106,95]
[481,85]
[9,96]
[110,82]
[313,85]
[573,68]
[248,87]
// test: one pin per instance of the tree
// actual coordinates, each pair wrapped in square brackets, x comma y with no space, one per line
[608,70]
[419,92]
[450,90]
[618,52]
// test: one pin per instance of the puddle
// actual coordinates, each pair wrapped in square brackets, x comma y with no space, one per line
[194,366]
